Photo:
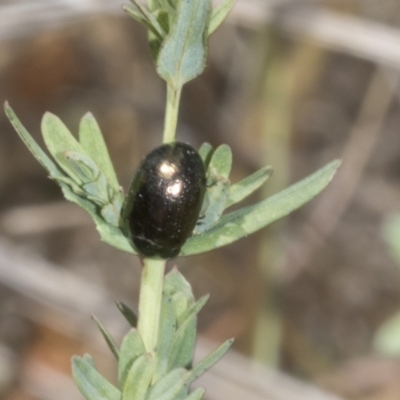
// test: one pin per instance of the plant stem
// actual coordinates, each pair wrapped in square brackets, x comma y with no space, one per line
[151,286]
[171,114]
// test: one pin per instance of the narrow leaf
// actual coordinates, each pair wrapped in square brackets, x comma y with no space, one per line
[183,346]
[183,54]
[132,347]
[175,282]
[168,387]
[139,378]
[90,383]
[220,164]
[217,189]
[245,221]
[57,136]
[129,315]
[166,332]
[184,340]
[248,185]
[180,303]
[206,151]
[150,19]
[77,166]
[219,14]
[107,337]
[209,361]
[92,141]
[31,144]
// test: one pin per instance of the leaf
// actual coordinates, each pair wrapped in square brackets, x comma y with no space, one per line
[183,53]
[247,220]
[152,20]
[166,332]
[92,141]
[180,303]
[31,144]
[184,340]
[168,387]
[219,14]
[129,315]
[113,236]
[139,378]
[248,185]
[147,18]
[220,164]
[206,151]
[107,337]
[196,394]
[90,383]
[71,163]
[175,282]
[387,339]
[209,361]
[132,348]
[57,137]
[217,189]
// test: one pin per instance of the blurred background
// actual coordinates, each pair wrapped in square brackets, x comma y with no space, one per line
[289,83]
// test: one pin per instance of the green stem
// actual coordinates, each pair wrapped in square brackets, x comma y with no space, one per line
[151,286]
[171,114]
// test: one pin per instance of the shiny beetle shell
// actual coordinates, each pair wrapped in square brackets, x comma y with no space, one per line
[164,200]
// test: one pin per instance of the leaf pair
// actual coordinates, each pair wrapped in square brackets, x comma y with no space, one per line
[178,34]
[178,330]
[165,375]
[87,178]
[216,230]
[83,170]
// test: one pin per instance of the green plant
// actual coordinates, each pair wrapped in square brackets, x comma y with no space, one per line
[154,359]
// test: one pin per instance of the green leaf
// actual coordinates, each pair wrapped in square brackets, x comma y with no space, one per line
[184,51]
[168,8]
[209,361]
[196,394]
[139,378]
[57,137]
[184,340]
[180,303]
[206,151]
[165,335]
[90,383]
[219,14]
[217,189]
[129,315]
[183,346]
[72,163]
[113,236]
[387,339]
[220,164]
[148,18]
[31,144]
[175,282]
[248,185]
[107,337]
[132,348]
[247,220]
[92,141]
[169,386]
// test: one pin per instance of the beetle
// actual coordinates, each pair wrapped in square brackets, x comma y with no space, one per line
[164,200]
